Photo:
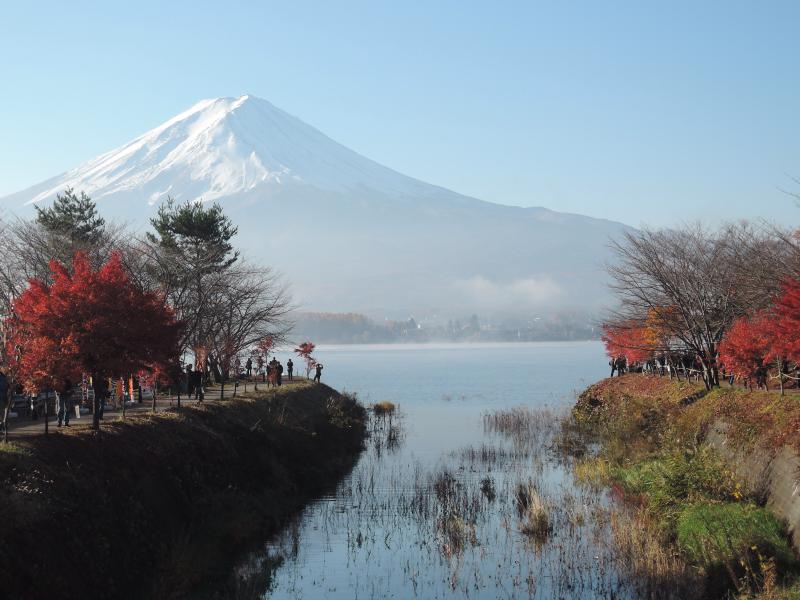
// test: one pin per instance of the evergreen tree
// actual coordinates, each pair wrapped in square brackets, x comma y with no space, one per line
[73,217]
[200,236]
[193,247]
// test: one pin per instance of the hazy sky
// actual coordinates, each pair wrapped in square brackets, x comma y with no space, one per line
[643,112]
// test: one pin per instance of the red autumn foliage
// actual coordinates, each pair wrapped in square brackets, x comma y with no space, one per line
[746,346]
[304,351]
[627,340]
[264,345]
[784,328]
[90,321]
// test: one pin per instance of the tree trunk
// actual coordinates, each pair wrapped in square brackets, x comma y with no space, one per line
[715,374]
[155,394]
[96,402]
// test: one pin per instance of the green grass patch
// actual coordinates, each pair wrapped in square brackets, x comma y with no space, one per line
[670,481]
[741,538]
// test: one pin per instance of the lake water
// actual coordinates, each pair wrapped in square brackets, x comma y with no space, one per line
[431,510]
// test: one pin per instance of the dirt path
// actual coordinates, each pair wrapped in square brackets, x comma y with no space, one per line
[26,427]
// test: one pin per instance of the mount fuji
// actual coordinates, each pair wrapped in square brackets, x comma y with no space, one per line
[348,233]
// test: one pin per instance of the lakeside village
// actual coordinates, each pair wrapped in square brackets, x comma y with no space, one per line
[95,315]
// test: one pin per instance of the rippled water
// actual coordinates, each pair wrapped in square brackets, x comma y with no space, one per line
[430,511]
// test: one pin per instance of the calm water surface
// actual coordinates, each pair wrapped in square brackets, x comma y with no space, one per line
[430,511]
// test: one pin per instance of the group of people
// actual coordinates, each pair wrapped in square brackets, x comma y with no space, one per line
[691,367]
[272,373]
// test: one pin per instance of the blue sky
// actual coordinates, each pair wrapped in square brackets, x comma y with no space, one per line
[636,111]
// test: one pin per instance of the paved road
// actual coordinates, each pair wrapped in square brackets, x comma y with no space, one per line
[26,427]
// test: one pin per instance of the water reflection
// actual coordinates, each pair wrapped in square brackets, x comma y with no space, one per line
[459,493]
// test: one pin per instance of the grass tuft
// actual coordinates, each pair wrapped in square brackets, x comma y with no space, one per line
[383,408]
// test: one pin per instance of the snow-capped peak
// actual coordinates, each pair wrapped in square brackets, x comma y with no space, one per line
[225,146]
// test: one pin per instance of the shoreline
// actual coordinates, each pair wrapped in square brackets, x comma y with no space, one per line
[163,505]
[711,475]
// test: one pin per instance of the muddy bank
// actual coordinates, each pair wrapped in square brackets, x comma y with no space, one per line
[160,506]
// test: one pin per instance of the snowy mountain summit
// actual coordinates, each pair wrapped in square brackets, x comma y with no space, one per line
[224,147]
[349,233]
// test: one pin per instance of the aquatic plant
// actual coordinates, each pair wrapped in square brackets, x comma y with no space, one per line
[382,408]
[533,511]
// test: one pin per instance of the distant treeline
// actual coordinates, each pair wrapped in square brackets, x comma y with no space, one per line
[356,328]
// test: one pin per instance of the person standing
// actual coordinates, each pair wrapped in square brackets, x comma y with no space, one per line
[249,367]
[273,372]
[63,403]
[290,369]
[197,383]
[318,373]
[189,381]
[279,368]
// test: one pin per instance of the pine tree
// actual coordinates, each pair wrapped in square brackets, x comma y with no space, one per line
[200,235]
[194,248]
[73,217]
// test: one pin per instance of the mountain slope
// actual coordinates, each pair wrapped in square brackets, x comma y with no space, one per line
[348,232]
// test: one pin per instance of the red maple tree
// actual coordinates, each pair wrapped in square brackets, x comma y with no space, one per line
[784,328]
[89,321]
[627,340]
[304,351]
[747,345]
[265,345]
